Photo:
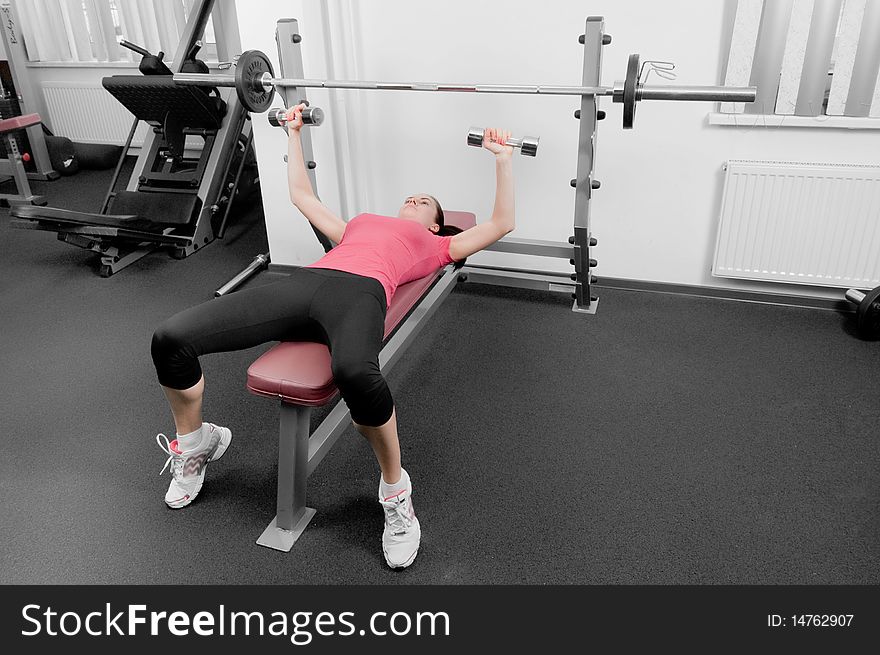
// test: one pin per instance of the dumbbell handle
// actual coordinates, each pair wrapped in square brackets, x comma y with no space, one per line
[854,295]
[515,143]
[311,116]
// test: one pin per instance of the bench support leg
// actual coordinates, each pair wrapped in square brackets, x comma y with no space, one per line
[293,460]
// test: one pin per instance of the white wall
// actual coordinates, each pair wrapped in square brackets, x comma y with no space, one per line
[656,214]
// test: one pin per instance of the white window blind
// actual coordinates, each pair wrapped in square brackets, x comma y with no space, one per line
[90,30]
[807,58]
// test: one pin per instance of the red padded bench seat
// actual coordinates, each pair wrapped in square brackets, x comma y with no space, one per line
[19,122]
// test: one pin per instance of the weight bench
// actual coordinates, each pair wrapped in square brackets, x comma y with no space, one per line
[298,373]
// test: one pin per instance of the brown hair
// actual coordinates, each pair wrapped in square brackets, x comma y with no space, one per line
[446,230]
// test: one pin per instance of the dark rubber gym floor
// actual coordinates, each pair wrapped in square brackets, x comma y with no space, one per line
[667,439]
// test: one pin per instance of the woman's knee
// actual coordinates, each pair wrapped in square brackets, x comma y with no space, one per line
[168,339]
[365,391]
[356,374]
[174,356]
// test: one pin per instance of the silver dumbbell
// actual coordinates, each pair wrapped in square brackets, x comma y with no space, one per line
[528,145]
[311,116]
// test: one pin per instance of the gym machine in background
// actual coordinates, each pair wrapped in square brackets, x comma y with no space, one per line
[255,85]
[172,200]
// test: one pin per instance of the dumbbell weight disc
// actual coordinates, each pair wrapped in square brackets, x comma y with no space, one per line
[529,146]
[475,137]
[249,70]
[869,315]
[313,116]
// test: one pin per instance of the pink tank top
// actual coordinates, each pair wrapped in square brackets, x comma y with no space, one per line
[394,251]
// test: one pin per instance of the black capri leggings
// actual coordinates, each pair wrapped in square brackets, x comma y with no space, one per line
[341,310]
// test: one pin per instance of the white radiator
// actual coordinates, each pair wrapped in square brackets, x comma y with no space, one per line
[89,114]
[815,224]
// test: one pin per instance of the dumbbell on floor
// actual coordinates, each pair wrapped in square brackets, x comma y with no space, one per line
[311,116]
[868,311]
[528,145]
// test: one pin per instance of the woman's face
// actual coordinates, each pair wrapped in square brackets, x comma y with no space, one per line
[422,209]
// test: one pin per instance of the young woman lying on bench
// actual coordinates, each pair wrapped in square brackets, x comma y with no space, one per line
[340,300]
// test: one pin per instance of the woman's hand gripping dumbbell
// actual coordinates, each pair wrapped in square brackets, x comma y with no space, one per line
[528,145]
[296,116]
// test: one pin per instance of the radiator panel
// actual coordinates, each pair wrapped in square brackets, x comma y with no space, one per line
[88,114]
[813,224]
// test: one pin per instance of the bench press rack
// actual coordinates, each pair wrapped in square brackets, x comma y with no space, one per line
[255,86]
[298,373]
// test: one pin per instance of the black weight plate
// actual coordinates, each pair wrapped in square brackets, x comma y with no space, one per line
[249,70]
[869,315]
[629,91]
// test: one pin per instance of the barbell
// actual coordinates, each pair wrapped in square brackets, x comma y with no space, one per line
[255,86]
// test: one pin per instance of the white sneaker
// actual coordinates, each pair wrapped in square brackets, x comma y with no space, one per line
[402,534]
[188,468]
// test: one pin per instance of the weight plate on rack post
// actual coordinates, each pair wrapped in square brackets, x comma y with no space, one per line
[629,91]
[869,315]
[249,70]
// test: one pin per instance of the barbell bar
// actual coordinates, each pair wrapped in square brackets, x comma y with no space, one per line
[255,85]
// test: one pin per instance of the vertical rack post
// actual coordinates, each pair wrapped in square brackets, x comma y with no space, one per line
[593,39]
[288,39]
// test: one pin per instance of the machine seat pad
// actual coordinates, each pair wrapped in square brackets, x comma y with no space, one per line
[151,97]
[18,122]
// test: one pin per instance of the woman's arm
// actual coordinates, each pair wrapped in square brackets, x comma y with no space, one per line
[301,193]
[503,220]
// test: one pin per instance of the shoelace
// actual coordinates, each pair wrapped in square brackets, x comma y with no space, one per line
[174,459]
[396,516]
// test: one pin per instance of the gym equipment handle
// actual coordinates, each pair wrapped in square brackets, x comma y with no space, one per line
[260,262]
[854,295]
[143,52]
[697,93]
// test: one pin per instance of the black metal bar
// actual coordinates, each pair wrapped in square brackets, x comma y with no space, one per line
[125,149]
[247,148]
